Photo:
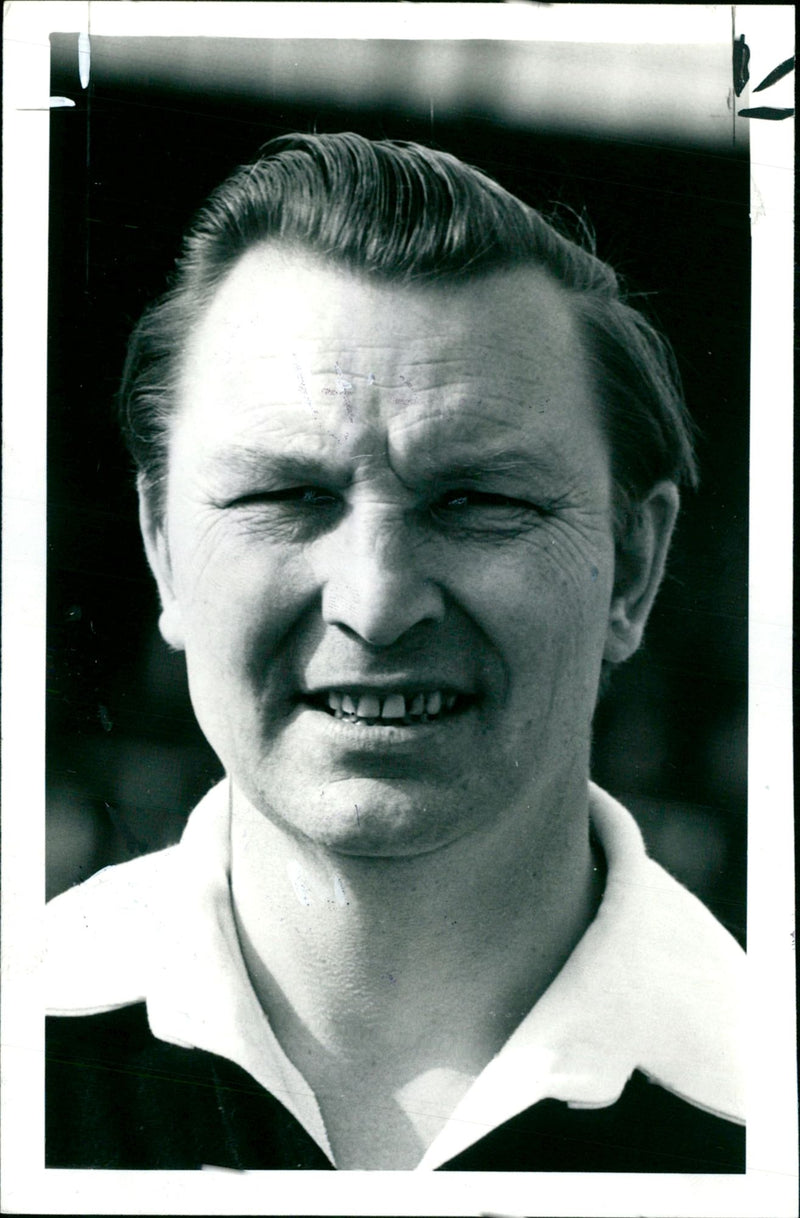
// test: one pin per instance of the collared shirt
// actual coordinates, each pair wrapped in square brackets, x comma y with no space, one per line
[654,985]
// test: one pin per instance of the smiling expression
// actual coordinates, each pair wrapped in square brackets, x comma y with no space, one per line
[388,550]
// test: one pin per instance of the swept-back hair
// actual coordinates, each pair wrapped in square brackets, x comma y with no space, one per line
[404,213]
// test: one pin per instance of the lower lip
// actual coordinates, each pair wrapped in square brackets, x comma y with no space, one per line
[385,734]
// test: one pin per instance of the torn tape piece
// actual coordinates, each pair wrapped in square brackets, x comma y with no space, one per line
[774,112]
[772,78]
[84,59]
[741,58]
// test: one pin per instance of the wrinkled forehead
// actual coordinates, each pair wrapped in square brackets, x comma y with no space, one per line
[279,299]
[289,342]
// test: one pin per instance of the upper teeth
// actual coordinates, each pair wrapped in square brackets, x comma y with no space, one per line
[390,706]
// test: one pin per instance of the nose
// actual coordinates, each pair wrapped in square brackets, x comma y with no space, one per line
[377,584]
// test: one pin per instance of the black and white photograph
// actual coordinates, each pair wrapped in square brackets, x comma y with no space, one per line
[397,642]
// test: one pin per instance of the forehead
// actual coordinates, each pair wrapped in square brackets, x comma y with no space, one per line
[298,352]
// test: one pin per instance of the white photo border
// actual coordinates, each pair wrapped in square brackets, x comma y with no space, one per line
[770,1184]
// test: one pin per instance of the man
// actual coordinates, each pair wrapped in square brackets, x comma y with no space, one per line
[408,471]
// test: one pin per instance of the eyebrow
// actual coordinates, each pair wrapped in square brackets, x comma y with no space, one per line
[250,461]
[247,461]
[496,463]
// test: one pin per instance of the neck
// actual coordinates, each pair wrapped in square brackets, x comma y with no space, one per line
[434,958]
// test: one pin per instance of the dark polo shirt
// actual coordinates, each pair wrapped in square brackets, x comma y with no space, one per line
[160,1056]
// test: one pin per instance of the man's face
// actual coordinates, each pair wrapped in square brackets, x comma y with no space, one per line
[388,551]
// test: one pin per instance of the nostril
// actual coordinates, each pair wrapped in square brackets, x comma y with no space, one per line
[379,606]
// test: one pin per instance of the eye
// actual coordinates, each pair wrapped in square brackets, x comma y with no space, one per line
[461,500]
[468,512]
[304,496]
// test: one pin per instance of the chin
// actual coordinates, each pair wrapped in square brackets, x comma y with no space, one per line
[361,818]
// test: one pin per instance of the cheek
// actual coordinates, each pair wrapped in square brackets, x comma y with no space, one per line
[237,604]
[547,624]
[547,595]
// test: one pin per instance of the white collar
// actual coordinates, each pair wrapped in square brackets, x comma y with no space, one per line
[654,984]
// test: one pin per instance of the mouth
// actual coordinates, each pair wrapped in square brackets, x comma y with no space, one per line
[389,708]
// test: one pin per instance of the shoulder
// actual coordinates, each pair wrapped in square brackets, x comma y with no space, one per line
[100,936]
[695,974]
[118,1097]
[648,1129]
[675,972]
[105,938]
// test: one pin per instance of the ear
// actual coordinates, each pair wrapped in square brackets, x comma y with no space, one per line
[640,559]
[157,550]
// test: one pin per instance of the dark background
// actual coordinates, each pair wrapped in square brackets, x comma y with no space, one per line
[129,164]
